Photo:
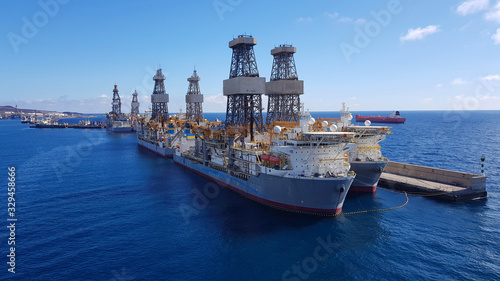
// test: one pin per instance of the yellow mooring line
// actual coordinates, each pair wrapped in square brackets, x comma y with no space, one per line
[377,210]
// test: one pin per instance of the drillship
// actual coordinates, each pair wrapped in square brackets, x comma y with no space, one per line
[116,121]
[366,158]
[292,168]
[296,166]
[163,134]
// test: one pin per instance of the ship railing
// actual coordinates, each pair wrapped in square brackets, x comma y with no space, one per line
[218,167]
[220,145]
[192,157]
[240,175]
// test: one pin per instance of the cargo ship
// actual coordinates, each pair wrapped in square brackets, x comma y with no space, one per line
[394,117]
[365,158]
[291,168]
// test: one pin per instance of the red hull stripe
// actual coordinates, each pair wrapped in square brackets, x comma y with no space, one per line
[380,119]
[367,189]
[268,202]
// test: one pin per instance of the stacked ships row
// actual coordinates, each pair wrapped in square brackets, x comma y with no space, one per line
[289,160]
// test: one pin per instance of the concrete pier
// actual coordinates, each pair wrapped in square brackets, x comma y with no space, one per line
[445,184]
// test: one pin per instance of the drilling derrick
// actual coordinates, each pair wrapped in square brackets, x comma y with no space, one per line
[284,88]
[159,99]
[244,88]
[135,104]
[194,99]
[116,108]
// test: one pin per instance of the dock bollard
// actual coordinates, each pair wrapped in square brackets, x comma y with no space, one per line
[482,164]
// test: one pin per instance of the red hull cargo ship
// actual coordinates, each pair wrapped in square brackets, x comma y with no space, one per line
[392,118]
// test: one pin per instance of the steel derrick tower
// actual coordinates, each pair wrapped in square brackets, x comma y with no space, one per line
[116,108]
[194,99]
[159,99]
[244,88]
[135,104]
[284,88]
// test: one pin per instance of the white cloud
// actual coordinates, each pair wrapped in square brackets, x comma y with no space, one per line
[472,102]
[331,16]
[472,6]
[494,15]
[458,81]
[494,77]
[465,26]
[217,99]
[304,19]
[439,85]
[360,21]
[345,19]
[337,18]
[419,33]
[427,100]
[496,37]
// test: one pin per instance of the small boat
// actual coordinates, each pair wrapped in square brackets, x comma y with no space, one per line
[394,117]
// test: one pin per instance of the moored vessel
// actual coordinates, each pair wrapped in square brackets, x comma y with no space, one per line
[116,121]
[394,117]
[366,158]
[163,134]
[292,168]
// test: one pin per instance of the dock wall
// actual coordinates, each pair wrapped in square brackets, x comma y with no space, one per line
[450,184]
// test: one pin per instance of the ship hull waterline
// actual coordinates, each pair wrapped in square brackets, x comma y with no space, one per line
[303,195]
[161,151]
[377,119]
[367,176]
[120,130]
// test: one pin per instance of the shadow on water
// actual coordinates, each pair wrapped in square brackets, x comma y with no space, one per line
[245,217]
[473,204]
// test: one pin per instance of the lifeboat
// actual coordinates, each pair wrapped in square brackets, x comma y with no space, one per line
[274,159]
[265,157]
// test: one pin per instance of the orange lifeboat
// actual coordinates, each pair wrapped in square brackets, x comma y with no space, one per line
[265,157]
[274,159]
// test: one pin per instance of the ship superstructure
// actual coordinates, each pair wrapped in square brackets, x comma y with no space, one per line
[366,158]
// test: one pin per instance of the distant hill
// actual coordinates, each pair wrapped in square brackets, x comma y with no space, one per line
[9,111]
[9,108]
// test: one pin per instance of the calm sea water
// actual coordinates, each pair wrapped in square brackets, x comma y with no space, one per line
[93,206]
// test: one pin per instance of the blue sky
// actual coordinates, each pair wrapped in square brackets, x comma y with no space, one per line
[66,55]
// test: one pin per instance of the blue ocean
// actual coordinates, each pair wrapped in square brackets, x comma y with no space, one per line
[94,206]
